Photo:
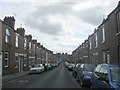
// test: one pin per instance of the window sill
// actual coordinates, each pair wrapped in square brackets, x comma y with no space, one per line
[118,34]
[6,66]
[103,42]
[96,46]
[16,67]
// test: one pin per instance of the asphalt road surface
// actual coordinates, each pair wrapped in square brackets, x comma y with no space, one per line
[59,77]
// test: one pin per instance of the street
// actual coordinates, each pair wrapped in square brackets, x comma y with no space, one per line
[59,77]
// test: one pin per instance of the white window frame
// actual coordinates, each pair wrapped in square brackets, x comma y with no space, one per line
[6,59]
[96,40]
[7,35]
[34,47]
[17,40]
[30,45]
[118,22]
[25,43]
[103,34]
[90,43]
[108,56]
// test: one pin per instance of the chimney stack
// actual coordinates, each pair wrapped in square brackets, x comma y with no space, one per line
[10,21]
[21,31]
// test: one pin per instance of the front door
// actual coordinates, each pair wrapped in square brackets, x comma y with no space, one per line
[21,58]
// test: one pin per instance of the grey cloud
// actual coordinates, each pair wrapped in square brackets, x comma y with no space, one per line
[38,18]
[52,9]
[95,14]
[92,15]
[45,26]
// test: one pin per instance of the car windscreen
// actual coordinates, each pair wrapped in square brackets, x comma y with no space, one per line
[88,67]
[37,65]
[115,73]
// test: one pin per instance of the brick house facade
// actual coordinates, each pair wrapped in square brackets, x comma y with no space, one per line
[18,52]
[104,43]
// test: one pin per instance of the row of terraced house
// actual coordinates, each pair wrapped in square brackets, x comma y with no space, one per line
[103,46]
[18,51]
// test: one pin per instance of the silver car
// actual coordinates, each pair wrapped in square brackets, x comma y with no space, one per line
[37,68]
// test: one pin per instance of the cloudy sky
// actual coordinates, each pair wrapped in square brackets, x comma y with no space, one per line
[59,25]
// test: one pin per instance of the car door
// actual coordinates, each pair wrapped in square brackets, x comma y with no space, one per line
[103,80]
[94,80]
[79,71]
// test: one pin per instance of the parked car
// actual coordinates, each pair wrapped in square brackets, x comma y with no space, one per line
[45,67]
[37,68]
[84,74]
[74,71]
[70,66]
[66,64]
[106,76]
[49,66]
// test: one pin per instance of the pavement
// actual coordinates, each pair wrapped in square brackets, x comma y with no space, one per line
[7,78]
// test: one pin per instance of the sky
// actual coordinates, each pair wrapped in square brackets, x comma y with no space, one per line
[59,25]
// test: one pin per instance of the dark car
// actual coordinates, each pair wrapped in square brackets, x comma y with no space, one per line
[84,74]
[106,76]
[75,69]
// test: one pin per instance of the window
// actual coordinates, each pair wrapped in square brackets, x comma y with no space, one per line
[6,59]
[17,40]
[25,43]
[90,43]
[25,61]
[103,34]
[104,72]
[106,56]
[7,35]
[96,40]
[104,69]
[16,61]
[34,47]
[118,22]
[97,69]
[29,45]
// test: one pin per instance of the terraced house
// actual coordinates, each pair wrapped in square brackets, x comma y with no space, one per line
[104,43]
[14,55]
[18,52]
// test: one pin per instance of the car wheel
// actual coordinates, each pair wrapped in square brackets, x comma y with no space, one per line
[81,83]
[75,75]
[77,78]
[72,74]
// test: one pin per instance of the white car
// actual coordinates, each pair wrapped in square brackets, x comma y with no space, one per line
[37,68]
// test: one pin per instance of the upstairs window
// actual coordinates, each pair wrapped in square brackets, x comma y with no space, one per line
[25,43]
[7,35]
[30,45]
[34,47]
[17,40]
[90,43]
[118,22]
[96,40]
[103,34]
